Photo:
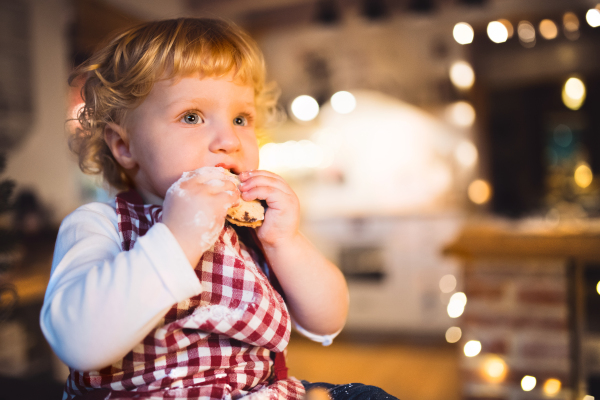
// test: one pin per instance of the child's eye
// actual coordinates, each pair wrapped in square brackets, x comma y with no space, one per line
[191,118]
[240,121]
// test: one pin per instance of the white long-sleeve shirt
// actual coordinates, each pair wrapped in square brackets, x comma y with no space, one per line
[102,301]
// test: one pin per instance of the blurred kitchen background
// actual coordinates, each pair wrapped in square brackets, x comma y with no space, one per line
[446,153]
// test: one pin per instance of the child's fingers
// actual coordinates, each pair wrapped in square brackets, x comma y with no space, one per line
[257,172]
[265,180]
[274,197]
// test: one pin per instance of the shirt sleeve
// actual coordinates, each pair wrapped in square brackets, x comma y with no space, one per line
[102,301]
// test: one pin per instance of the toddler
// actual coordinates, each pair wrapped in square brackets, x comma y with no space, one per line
[153,295]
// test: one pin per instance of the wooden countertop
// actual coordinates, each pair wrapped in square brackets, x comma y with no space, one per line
[528,238]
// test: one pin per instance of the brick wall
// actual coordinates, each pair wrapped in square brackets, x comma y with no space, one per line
[517,309]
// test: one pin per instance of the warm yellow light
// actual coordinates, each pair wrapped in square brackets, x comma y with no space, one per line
[461,114]
[570,22]
[583,175]
[343,102]
[571,25]
[598,288]
[526,33]
[494,369]
[459,298]
[466,153]
[497,32]
[453,334]
[472,348]
[552,386]
[573,93]
[463,33]
[456,305]
[548,29]
[588,397]
[528,383]
[593,17]
[305,108]
[462,75]
[479,191]
[455,310]
[509,27]
[447,283]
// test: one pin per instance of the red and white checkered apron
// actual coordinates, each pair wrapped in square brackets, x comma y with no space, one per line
[216,345]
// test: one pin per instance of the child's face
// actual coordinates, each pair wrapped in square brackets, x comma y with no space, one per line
[188,123]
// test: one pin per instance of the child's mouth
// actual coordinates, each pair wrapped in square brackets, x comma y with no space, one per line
[230,168]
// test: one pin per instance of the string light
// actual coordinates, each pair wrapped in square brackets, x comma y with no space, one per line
[548,29]
[573,93]
[497,32]
[509,27]
[552,386]
[462,75]
[461,114]
[472,348]
[447,283]
[528,383]
[479,191]
[571,26]
[305,108]
[343,102]
[453,334]
[593,17]
[463,33]
[583,175]
[526,33]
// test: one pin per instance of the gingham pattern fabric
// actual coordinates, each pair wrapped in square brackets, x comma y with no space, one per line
[215,345]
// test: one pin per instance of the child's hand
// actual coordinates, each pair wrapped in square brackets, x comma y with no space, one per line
[283,214]
[195,207]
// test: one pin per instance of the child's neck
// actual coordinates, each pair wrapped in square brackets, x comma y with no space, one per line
[149,198]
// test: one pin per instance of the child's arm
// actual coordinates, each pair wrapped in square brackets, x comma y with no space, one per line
[315,289]
[102,301]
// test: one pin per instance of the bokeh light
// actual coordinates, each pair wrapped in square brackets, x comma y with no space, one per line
[509,27]
[598,287]
[528,383]
[466,153]
[548,29]
[463,33]
[573,93]
[461,114]
[563,135]
[456,305]
[593,17]
[472,348]
[453,334]
[494,369]
[526,33]
[447,283]
[305,108]
[497,32]
[462,75]
[479,191]
[588,397]
[551,386]
[571,26]
[343,102]
[279,157]
[583,175]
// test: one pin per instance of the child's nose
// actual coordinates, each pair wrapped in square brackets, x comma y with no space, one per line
[225,139]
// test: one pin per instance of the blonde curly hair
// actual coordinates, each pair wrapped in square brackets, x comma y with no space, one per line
[119,76]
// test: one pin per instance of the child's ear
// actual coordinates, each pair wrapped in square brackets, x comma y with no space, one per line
[116,139]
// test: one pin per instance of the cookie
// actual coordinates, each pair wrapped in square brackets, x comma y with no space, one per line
[247,213]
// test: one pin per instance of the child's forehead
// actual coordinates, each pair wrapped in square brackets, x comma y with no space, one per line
[173,79]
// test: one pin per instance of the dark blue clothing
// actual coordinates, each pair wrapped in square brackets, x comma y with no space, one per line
[351,391]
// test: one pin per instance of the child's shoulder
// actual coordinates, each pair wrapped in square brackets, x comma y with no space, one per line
[93,213]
